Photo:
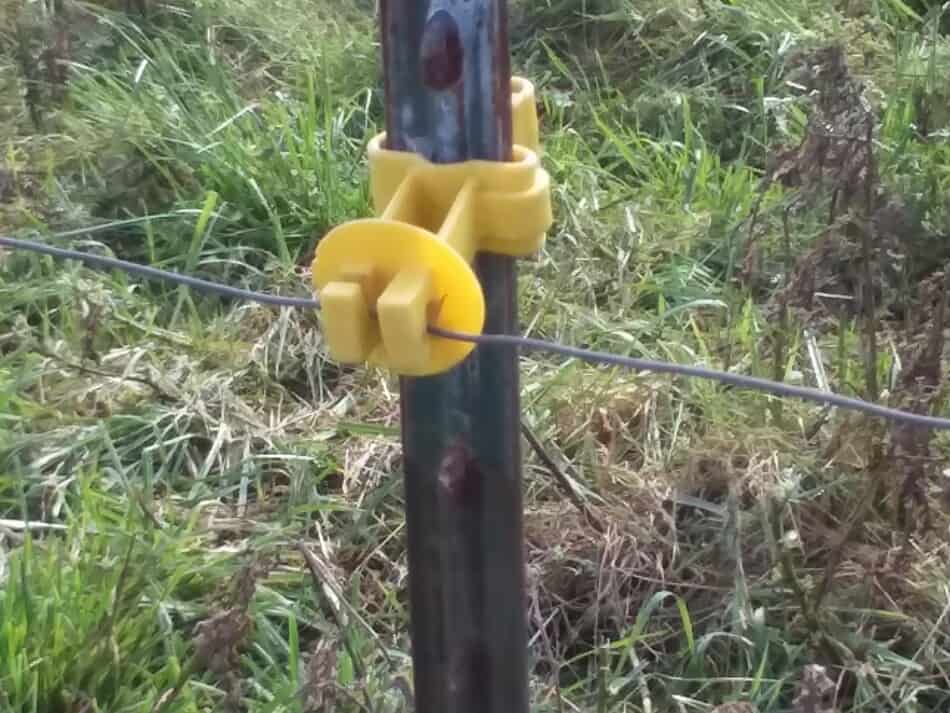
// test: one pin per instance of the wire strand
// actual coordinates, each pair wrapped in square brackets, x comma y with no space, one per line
[740,380]
[505,340]
[154,273]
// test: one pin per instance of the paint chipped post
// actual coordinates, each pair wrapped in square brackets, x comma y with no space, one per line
[448,98]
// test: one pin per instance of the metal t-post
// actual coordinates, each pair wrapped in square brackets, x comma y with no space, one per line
[448,97]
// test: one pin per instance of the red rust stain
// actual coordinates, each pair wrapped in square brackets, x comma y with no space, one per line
[460,476]
[441,53]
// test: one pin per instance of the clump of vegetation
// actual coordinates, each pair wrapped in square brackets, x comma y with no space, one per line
[198,510]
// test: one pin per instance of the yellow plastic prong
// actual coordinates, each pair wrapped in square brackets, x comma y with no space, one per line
[403,311]
[383,281]
[458,228]
[347,326]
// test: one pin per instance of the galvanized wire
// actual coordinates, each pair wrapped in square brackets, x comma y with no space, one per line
[103,262]
[775,388]
[700,372]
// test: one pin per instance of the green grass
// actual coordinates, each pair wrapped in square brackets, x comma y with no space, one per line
[164,454]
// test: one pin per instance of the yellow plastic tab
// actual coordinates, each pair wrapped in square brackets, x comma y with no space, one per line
[347,325]
[384,281]
[524,115]
[404,317]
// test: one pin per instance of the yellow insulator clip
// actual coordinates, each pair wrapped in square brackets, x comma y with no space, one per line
[383,281]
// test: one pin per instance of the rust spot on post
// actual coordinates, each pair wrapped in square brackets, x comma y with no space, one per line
[460,477]
[441,53]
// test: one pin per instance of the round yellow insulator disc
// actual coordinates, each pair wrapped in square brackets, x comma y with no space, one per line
[458,303]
